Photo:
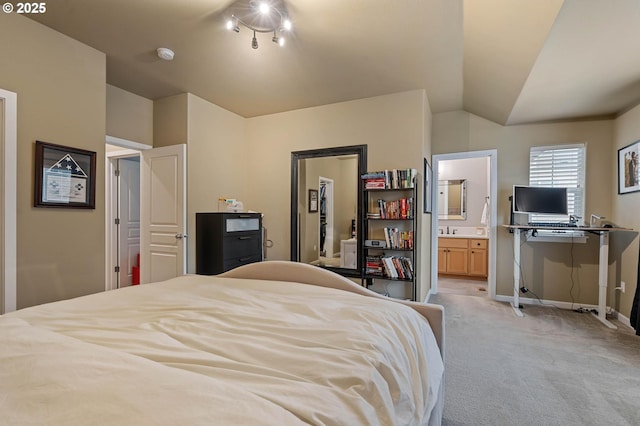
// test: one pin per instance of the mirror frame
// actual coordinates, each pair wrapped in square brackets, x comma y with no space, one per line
[463,201]
[361,152]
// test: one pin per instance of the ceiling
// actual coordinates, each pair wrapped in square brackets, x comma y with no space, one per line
[509,61]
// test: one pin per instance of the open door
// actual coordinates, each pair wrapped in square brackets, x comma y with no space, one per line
[163,213]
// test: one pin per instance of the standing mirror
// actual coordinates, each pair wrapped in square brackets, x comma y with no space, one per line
[326,208]
[452,199]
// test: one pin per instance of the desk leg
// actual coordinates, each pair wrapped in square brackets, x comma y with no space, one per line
[516,273]
[602,279]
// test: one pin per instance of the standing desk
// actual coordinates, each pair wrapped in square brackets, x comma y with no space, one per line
[603,264]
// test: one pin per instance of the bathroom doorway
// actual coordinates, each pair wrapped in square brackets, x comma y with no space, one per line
[474,220]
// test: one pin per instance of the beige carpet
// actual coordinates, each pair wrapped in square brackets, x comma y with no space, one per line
[552,367]
[450,285]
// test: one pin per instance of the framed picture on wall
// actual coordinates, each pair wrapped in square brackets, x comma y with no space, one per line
[428,177]
[313,200]
[628,177]
[65,177]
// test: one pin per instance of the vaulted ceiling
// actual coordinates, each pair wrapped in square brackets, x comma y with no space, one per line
[509,61]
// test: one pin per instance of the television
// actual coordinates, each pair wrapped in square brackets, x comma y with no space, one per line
[540,200]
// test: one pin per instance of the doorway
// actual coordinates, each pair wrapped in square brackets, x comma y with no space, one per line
[483,216]
[8,192]
[326,249]
[123,216]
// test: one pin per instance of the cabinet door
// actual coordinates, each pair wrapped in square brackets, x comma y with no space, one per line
[457,261]
[478,262]
[442,260]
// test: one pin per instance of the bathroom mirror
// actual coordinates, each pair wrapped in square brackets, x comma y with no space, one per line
[452,199]
[326,208]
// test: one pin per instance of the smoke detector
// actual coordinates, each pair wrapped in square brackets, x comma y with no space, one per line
[164,53]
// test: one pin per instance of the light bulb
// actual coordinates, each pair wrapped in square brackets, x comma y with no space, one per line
[229,24]
[280,41]
[264,8]
[287,25]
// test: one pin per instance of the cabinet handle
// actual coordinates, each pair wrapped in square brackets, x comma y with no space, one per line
[243,259]
[245,238]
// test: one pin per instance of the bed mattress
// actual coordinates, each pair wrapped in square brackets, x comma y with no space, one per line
[201,350]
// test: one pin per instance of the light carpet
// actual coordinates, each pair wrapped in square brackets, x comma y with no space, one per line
[552,367]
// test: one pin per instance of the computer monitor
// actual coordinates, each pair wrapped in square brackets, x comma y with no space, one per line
[540,200]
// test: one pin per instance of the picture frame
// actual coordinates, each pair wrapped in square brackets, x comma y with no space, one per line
[427,190]
[64,177]
[313,201]
[628,168]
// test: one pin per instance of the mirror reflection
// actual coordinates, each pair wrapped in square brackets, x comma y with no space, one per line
[452,199]
[328,234]
[326,213]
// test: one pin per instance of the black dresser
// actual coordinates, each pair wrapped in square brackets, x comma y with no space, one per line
[227,240]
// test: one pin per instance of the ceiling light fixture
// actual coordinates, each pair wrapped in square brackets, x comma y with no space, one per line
[262,18]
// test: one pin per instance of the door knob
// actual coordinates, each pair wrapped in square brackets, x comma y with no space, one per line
[181,236]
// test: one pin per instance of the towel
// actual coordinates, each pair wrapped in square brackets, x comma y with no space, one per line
[483,219]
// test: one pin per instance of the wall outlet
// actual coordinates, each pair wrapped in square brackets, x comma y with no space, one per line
[622,286]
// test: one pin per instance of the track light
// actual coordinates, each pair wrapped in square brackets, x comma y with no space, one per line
[262,18]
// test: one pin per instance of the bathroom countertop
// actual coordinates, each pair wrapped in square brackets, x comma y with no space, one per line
[475,237]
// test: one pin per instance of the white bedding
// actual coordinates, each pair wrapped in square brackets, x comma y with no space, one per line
[199,350]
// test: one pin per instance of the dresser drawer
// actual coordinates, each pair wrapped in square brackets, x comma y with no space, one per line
[242,245]
[241,223]
[239,261]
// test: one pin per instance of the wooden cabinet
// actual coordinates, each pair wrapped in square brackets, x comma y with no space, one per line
[227,240]
[478,258]
[462,256]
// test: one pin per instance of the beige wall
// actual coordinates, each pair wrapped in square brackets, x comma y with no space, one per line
[546,266]
[61,99]
[217,163]
[392,126]
[624,211]
[129,116]
[170,120]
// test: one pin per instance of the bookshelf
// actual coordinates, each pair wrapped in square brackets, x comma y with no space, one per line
[390,223]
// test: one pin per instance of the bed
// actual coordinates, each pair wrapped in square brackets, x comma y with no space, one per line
[276,343]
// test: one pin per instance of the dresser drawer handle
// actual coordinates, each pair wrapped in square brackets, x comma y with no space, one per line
[244,259]
[245,238]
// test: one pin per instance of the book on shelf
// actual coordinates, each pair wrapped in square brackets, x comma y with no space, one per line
[395,267]
[390,179]
[396,209]
[397,239]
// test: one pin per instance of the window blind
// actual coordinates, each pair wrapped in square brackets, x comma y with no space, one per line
[560,166]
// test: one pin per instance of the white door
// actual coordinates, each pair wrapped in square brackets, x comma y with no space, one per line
[129,218]
[163,213]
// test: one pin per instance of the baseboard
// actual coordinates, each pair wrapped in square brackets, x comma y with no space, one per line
[565,305]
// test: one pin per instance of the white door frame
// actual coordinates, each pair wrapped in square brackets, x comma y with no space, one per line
[9,155]
[493,209]
[130,149]
[328,241]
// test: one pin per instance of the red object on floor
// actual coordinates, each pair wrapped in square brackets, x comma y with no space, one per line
[135,272]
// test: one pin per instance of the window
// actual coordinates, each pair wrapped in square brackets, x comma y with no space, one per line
[559,166]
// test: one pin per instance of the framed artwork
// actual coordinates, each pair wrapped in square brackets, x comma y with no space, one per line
[428,177]
[628,178]
[313,200]
[65,177]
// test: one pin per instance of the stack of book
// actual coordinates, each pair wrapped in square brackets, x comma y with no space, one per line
[397,209]
[395,267]
[390,179]
[397,239]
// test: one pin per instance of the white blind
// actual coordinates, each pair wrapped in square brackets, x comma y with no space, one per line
[560,166]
